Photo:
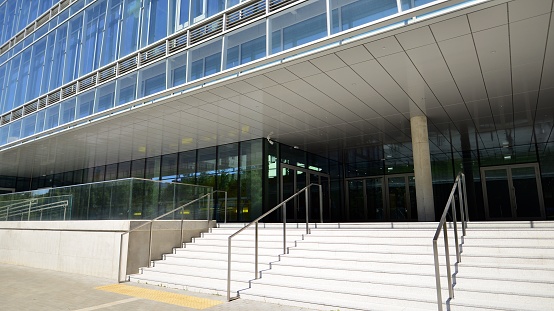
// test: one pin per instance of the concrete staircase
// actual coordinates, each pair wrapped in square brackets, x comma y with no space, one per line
[371,266]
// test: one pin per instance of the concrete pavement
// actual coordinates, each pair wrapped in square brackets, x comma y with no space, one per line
[24,288]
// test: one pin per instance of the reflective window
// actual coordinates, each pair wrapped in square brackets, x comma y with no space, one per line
[126,89]
[58,57]
[169,167]
[152,79]
[177,73]
[71,65]
[52,117]
[93,32]
[183,10]
[154,21]
[15,131]
[19,97]
[4,135]
[299,25]
[40,121]
[37,68]
[67,113]
[28,125]
[109,44]
[12,83]
[2,80]
[202,9]
[205,60]
[187,166]
[105,97]
[353,13]
[85,104]
[129,27]
[245,45]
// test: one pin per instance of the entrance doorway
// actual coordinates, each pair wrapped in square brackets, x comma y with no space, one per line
[382,198]
[293,179]
[512,192]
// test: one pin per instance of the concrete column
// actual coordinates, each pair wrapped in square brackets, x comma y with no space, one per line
[422,169]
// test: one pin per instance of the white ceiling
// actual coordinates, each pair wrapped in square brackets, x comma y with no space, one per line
[487,71]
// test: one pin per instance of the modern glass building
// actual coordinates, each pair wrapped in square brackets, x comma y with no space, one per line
[382,102]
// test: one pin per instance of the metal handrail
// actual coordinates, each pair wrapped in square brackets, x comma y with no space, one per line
[256,221]
[29,206]
[151,222]
[460,185]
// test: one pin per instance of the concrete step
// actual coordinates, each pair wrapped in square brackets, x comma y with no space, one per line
[192,283]
[357,298]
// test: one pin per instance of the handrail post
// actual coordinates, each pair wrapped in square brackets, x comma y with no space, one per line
[320,203]
[182,221]
[455,220]
[307,208]
[229,269]
[225,206]
[256,251]
[462,212]
[437,274]
[284,228]
[447,253]
[150,246]
[29,213]
[465,200]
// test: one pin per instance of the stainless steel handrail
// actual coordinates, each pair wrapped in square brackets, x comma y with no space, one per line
[460,185]
[256,221]
[151,222]
[29,206]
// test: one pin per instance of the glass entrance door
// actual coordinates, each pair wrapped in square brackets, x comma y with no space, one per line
[512,192]
[383,198]
[293,179]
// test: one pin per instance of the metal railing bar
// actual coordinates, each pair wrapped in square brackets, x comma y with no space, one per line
[459,183]
[151,223]
[282,205]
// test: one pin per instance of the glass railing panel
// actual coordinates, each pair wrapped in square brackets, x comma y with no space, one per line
[130,198]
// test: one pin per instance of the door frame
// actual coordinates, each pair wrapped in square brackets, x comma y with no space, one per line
[384,194]
[308,172]
[509,177]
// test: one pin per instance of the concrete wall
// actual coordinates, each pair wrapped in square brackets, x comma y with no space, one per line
[90,247]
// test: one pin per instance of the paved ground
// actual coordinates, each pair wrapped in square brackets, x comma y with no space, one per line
[23,288]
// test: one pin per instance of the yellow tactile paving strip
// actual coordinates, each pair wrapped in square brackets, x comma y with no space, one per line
[161,296]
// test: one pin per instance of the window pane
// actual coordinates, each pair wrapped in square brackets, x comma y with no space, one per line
[227,180]
[109,45]
[37,66]
[67,111]
[4,134]
[12,83]
[187,167]
[93,32]
[154,22]
[152,79]
[408,4]
[129,27]
[177,69]
[23,78]
[353,13]
[52,117]
[28,125]
[59,52]
[40,121]
[85,103]
[169,167]
[205,60]
[126,89]
[246,45]
[15,131]
[251,169]
[298,25]
[105,97]
[73,48]
[183,13]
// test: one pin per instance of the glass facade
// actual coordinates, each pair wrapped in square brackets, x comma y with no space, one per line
[92,34]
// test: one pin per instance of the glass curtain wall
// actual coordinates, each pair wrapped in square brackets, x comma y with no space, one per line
[88,35]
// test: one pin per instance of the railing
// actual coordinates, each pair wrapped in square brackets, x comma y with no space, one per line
[257,220]
[151,222]
[460,185]
[32,206]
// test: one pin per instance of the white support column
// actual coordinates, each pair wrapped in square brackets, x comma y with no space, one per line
[422,169]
